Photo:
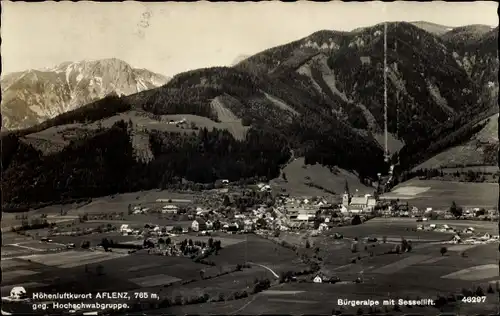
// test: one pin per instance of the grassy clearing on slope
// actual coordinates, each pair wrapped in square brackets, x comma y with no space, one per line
[299,175]
[54,139]
[476,151]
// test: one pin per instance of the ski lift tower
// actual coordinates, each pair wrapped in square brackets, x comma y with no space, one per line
[386,145]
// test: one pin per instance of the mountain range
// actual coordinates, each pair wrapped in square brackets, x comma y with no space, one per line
[33,96]
[320,97]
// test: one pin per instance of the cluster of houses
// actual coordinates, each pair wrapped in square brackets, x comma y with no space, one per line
[181,121]
[153,230]
[474,240]
[302,212]
[444,228]
[166,247]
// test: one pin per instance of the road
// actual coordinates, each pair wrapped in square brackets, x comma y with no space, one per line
[265,267]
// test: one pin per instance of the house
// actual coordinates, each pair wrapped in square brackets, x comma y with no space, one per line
[198,224]
[344,209]
[248,225]
[323,227]
[371,203]
[492,212]
[318,279]
[225,181]
[266,188]
[170,209]
[124,229]
[306,215]
[292,213]
[358,204]
[233,227]
[210,224]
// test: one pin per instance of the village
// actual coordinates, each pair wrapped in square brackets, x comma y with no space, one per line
[238,227]
[276,213]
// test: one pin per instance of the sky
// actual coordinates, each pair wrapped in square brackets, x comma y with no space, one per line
[169,38]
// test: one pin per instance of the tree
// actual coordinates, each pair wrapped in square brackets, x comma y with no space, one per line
[479,291]
[308,245]
[283,175]
[354,248]
[404,245]
[317,222]
[490,289]
[168,241]
[397,249]
[105,244]
[226,201]
[456,210]
[443,250]
[202,274]
[177,230]
[216,225]
[346,187]
[261,223]
[217,245]
[356,220]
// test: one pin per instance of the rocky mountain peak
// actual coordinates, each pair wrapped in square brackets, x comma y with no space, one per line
[32,96]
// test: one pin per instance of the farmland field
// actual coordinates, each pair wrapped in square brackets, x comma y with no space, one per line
[440,194]
[385,276]
[260,251]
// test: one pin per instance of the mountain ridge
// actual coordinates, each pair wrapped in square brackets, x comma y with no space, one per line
[32,96]
[320,97]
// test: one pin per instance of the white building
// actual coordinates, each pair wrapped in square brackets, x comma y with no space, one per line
[358,204]
[170,209]
[124,229]
[306,215]
[266,188]
[198,224]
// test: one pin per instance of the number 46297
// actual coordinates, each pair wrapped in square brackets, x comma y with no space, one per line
[474,299]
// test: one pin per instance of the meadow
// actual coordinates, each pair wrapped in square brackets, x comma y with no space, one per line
[440,194]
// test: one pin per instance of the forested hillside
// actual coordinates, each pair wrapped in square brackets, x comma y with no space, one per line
[320,97]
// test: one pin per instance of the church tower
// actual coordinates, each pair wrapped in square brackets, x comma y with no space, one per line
[345,199]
